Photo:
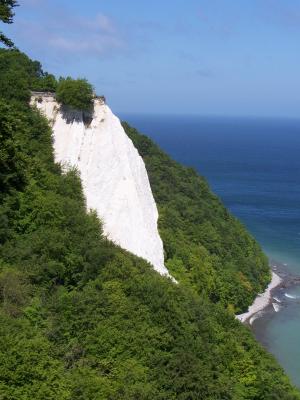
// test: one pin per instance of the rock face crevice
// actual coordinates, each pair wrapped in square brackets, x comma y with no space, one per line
[114,177]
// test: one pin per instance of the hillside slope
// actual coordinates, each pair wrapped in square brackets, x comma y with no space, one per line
[80,318]
[205,246]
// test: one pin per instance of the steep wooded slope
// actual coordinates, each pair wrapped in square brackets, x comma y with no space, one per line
[205,246]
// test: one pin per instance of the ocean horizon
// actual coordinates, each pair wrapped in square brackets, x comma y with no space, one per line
[253,165]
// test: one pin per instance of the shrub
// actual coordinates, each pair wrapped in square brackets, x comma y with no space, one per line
[75,93]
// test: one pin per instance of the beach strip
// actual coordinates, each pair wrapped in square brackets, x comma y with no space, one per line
[262,300]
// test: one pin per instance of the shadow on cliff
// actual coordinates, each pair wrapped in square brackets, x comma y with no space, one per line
[71,115]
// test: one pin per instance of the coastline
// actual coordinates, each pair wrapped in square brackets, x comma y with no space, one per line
[262,300]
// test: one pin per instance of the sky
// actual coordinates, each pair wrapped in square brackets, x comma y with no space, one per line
[205,57]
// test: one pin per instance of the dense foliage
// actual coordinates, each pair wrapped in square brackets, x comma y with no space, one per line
[6,16]
[75,93]
[80,318]
[205,245]
[20,75]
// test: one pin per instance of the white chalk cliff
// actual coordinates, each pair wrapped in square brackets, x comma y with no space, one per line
[114,177]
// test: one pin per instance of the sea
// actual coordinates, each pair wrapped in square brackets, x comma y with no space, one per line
[253,165]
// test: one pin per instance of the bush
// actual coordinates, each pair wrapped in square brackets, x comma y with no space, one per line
[75,93]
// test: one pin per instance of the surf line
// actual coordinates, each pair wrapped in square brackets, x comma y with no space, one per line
[261,302]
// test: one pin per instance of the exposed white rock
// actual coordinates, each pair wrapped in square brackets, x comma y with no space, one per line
[114,177]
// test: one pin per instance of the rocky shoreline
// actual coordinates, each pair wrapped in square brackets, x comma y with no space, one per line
[262,300]
[272,296]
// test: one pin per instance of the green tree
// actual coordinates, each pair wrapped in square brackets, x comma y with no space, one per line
[75,93]
[45,83]
[12,158]
[19,75]
[6,16]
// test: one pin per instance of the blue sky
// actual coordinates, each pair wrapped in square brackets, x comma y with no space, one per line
[222,57]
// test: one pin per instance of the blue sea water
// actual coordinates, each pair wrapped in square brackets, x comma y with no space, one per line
[254,166]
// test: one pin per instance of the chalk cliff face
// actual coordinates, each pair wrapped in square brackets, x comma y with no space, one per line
[113,174]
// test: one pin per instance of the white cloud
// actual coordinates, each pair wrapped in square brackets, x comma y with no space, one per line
[105,24]
[98,44]
[62,33]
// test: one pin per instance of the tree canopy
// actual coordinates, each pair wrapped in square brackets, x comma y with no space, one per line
[20,75]
[75,93]
[6,16]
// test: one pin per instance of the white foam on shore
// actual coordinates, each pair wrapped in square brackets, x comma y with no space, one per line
[255,316]
[276,307]
[290,296]
[262,300]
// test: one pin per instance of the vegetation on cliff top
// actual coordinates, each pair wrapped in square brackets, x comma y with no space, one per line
[75,93]
[20,75]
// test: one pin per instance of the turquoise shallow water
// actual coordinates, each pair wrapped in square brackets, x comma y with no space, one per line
[254,166]
[279,332]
